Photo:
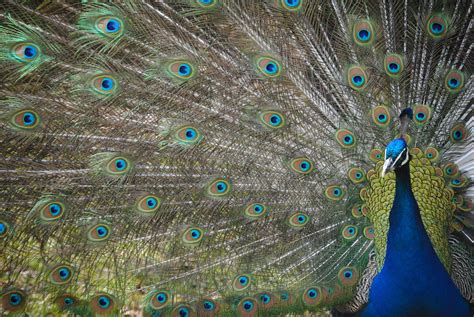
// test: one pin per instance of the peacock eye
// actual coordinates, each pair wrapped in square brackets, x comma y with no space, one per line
[458,132]
[99,232]
[356,175]
[269,67]
[4,228]
[454,81]
[104,84]
[254,211]
[181,70]
[302,165]
[393,65]
[110,26]
[421,114]
[248,305]
[119,166]
[349,232]
[272,119]
[218,188]
[188,135]
[25,120]
[61,274]
[148,204]
[298,220]
[159,299]
[345,138]
[206,3]
[65,301]
[14,300]
[437,26]
[26,52]
[291,5]
[102,304]
[348,276]
[52,211]
[334,192]
[193,236]
[363,33]
[241,282]
[369,232]
[357,77]
[312,296]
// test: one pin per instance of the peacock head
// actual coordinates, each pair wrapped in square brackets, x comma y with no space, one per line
[396,155]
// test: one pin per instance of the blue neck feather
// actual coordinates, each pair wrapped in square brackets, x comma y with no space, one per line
[413,281]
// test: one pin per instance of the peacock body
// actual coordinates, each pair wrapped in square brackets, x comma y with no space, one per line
[250,158]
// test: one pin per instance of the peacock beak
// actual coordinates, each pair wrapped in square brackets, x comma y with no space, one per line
[387,166]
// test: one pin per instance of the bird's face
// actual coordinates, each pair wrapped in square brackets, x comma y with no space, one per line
[396,155]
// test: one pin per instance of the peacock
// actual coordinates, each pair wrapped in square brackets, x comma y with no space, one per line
[236,158]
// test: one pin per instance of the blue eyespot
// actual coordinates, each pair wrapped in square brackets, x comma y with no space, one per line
[208,305]
[30,52]
[206,2]
[271,68]
[292,3]
[275,120]
[112,26]
[258,208]
[243,280]
[151,202]
[336,192]
[3,228]
[183,312]
[301,218]
[107,83]
[248,305]
[305,166]
[456,182]
[15,299]
[454,83]
[120,164]
[64,273]
[348,274]
[104,302]
[457,135]
[393,68]
[363,35]
[161,297]
[29,119]
[437,28]
[221,187]
[195,234]
[68,301]
[190,134]
[312,293]
[284,297]
[184,69]
[358,80]
[265,298]
[55,209]
[382,118]
[101,231]
[420,116]
[348,139]
[358,175]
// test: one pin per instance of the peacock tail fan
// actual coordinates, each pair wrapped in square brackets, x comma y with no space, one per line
[221,157]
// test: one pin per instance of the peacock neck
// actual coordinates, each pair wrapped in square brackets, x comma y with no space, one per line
[407,238]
